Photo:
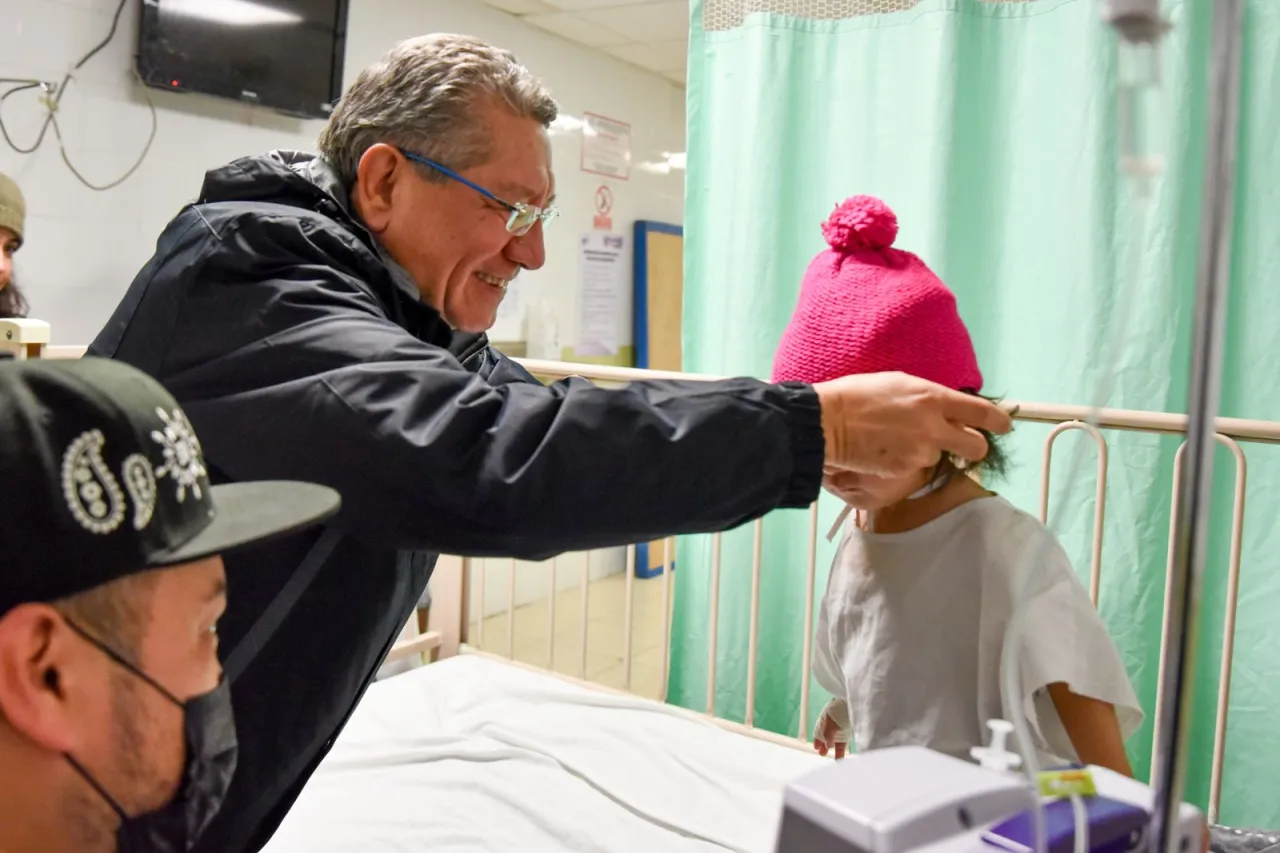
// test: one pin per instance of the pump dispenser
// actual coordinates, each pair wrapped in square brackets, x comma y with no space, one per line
[996,756]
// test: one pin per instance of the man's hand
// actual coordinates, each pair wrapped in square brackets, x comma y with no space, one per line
[890,424]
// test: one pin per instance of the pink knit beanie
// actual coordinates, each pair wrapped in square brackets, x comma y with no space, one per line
[866,307]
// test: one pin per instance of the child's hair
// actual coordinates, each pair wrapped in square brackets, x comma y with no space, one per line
[993,466]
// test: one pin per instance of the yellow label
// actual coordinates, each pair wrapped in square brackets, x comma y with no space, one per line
[1065,783]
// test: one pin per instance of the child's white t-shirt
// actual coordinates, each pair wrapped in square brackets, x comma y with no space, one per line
[911,628]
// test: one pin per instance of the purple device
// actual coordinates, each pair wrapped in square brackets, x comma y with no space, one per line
[1114,827]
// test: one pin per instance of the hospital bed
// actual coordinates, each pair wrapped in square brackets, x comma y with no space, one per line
[478,751]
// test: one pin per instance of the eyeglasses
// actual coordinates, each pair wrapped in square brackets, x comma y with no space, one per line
[523,216]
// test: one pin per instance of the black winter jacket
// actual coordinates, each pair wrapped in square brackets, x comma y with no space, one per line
[294,346]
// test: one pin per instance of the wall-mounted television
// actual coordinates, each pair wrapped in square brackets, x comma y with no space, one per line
[285,55]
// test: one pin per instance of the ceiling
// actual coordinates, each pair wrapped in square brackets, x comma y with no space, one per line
[653,34]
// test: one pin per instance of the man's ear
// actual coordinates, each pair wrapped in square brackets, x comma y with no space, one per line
[40,662]
[381,168]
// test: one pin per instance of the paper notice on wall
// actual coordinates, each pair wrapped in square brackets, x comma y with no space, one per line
[606,147]
[602,294]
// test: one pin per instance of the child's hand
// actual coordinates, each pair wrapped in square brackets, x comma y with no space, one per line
[832,732]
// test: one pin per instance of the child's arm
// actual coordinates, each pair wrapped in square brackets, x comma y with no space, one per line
[1093,728]
[831,733]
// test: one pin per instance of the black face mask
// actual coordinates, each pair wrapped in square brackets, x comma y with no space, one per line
[210,736]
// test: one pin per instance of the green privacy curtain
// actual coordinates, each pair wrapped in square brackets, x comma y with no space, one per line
[990,128]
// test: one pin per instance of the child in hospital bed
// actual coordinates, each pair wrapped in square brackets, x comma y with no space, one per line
[921,590]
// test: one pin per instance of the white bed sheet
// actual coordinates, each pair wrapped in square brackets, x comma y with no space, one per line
[474,754]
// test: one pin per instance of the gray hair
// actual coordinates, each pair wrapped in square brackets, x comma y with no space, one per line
[425,94]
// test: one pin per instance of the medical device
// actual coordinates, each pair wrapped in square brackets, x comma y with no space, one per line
[911,799]
[893,800]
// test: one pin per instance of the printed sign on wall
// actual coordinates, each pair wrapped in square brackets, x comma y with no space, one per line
[602,295]
[604,207]
[606,147]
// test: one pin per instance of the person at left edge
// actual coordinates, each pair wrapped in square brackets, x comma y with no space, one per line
[116,729]
[13,226]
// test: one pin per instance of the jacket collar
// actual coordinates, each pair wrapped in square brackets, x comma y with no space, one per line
[302,180]
[318,171]
[305,180]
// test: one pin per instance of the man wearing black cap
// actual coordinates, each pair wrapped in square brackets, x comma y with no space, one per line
[116,726]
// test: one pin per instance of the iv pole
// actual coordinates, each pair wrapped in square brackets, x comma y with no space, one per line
[1139,22]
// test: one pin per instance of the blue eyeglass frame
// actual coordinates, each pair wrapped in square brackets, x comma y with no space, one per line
[523,216]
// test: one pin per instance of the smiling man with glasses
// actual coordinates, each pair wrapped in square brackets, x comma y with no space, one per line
[322,318]
[469,283]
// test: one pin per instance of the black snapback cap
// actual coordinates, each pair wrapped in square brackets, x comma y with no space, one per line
[101,476]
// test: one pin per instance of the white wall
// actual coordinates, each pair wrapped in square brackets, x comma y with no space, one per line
[84,247]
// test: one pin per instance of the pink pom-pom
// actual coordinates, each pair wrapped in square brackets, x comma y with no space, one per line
[861,222]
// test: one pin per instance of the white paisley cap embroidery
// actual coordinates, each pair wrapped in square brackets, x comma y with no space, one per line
[96,497]
[92,493]
[140,483]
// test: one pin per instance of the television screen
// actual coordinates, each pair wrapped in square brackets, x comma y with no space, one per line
[282,54]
